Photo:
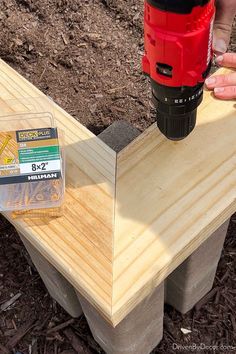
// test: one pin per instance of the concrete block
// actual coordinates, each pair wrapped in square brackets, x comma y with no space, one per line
[119,135]
[184,299]
[138,333]
[58,287]
[194,278]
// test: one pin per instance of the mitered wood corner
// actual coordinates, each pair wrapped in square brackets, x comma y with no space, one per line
[131,218]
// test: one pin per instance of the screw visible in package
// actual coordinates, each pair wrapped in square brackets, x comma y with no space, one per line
[5,143]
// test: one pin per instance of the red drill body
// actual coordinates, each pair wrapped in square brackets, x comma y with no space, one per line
[178,54]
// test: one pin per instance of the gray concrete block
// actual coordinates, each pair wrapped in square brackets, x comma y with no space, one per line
[119,135]
[194,278]
[184,299]
[138,333]
[58,287]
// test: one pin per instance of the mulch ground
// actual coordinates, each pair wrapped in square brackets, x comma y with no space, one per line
[86,55]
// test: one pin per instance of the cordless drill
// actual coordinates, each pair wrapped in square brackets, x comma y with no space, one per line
[178,56]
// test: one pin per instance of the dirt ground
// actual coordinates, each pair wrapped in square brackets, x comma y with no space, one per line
[86,55]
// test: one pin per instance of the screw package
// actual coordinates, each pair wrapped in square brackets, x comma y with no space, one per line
[31,164]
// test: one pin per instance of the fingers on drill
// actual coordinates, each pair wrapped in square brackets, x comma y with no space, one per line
[226,93]
[221,81]
[228,60]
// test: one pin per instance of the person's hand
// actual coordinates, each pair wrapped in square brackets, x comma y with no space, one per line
[225,13]
[224,86]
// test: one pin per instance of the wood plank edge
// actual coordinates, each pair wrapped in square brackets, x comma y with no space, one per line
[119,312]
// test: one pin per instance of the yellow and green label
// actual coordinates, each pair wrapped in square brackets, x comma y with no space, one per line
[29,155]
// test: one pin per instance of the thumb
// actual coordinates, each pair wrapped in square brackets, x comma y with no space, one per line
[225,13]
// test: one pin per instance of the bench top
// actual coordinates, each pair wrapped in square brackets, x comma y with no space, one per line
[131,218]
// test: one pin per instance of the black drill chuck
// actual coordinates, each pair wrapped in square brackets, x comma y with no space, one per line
[176,109]
[177,127]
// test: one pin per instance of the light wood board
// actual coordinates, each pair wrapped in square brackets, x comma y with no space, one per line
[79,244]
[132,218]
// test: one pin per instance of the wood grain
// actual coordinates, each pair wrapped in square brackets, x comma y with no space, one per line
[132,218]
[79,244]
[170,197]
